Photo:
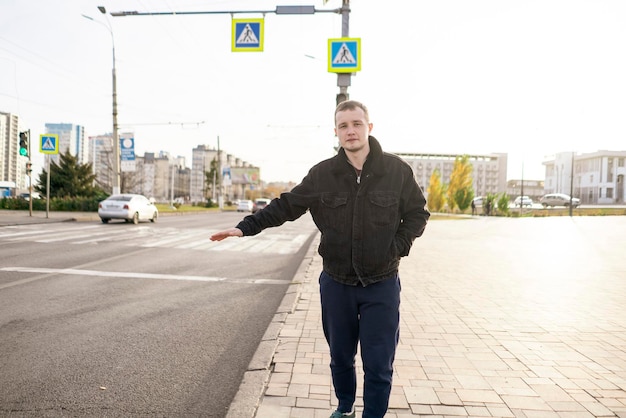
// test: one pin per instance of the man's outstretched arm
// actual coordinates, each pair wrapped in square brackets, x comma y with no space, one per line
[232,232]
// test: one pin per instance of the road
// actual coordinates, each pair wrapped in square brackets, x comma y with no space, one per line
[136,320]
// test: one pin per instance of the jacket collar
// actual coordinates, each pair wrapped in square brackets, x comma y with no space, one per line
[374,160]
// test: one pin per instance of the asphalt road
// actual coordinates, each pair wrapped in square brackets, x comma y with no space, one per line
[136,320]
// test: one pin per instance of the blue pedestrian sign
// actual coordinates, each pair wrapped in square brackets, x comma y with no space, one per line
[49,143]
[344,55]
[247,35]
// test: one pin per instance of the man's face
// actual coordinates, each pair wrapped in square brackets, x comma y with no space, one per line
[352,129]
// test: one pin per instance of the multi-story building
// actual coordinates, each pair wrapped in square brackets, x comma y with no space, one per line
[531,188]
[13,176]
[489,170]
[102,160]
[204,158]
[201,158]
[594,178]
[72,140]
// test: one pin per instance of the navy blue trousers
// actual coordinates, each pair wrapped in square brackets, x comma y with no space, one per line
[370,316]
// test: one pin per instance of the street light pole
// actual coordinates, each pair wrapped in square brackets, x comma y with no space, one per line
[116,140]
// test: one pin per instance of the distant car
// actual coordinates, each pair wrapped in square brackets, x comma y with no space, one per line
[129,207]
[478,201]
[523,201]
[245,206]
[558,199]
[26,196]
[260,204]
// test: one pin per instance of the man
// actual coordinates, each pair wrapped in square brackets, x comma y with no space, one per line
[369,209]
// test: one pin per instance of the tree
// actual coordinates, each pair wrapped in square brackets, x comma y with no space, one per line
[69,179]
[460,190]
[503,203]
[436,192]
[210,176]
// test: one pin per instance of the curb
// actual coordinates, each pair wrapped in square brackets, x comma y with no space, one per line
[256,377]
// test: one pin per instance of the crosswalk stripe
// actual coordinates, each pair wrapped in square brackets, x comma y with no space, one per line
[136,275]
[286,242]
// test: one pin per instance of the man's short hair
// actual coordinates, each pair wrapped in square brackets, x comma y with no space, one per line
[352,105]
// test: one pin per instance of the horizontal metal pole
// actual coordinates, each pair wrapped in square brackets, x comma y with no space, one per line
[280,10]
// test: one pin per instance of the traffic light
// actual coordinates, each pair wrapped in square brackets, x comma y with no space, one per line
[29,167]
[24,144]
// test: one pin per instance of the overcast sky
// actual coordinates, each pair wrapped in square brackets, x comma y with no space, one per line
[528,78]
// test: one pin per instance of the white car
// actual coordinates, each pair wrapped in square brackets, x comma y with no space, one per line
[129,207]
[245,206]
[478,201]
[523,201]
[559,199]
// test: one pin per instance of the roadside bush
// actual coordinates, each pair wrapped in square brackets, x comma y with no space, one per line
[57,204]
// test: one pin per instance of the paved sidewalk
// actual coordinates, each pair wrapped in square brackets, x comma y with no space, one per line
[499,318]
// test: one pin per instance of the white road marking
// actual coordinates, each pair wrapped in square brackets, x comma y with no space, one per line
[137,275]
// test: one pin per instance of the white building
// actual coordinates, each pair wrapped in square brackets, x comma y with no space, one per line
[594,178]
[12,164]
[489,170]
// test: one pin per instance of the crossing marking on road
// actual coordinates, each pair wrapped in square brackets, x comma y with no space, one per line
[149,237]
[136,275]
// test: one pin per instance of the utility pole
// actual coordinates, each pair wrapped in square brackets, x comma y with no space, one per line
[571,187]
[220,199]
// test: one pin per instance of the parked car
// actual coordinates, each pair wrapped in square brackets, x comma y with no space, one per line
[26,196]
[260,204]
[478,201]
[523,201]
[245,206]
[129,207]
[558,199]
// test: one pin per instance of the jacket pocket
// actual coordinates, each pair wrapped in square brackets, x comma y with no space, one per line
[334,209]
[384,207]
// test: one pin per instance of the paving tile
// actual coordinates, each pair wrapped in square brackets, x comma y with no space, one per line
[505,327]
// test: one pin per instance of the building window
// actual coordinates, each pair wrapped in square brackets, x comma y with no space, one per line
[609,192]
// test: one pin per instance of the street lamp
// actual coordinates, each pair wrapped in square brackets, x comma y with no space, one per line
[116,141]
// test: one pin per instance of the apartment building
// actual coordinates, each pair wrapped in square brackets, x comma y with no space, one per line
[13,176]
[203,159]
[489,170]
[594,178]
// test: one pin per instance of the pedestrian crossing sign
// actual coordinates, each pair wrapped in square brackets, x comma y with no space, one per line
[344,55]
[247,35]
[49,144]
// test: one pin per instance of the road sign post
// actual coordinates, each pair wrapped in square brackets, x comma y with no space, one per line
[48,144]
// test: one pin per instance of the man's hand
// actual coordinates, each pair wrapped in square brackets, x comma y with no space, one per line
[232,232]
